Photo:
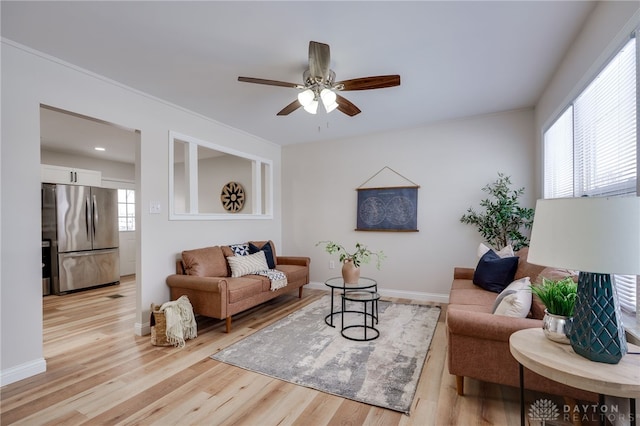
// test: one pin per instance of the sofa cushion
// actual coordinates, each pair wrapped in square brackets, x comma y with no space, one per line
[260,244]
[514,300]
[526,269]
[267,248]
[243,288]
[265,282]
[494,273]
[241,249]
[474,295]
[506,251]
[205,262]
[249,264]
[294,273]
[462,283]
[556,274]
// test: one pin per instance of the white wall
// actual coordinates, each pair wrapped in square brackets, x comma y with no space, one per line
[450,161]
[215,173]
[605,32]
[30,79]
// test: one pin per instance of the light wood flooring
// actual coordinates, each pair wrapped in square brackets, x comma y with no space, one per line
[100,372]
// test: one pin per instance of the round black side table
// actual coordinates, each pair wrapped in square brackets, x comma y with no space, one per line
[366,298]
[337,283]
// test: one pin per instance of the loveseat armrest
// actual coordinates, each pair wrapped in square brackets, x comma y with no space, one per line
[293,260]
[208,284]
[485,325]
[463,273]
[208,295]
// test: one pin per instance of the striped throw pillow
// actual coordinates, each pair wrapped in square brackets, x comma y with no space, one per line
[249,264]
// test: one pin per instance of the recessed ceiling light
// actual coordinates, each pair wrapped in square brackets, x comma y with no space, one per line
[99,148]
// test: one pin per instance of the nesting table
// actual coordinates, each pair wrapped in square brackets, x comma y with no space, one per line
[337,283]
[370,332]
[365,291]
[560,363]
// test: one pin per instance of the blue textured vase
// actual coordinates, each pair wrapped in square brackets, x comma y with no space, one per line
[597,332]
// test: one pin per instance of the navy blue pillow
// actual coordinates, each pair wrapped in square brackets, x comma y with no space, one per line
[494,273]
[268,253]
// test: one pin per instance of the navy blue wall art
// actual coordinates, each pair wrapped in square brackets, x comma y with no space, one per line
[388,209]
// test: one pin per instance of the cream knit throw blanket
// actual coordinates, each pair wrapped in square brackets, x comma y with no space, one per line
[181,323]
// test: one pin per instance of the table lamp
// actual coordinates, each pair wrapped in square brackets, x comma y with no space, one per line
[597,237]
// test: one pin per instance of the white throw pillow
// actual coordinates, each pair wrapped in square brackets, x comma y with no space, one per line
[515,299]
[506,251]
[249,264]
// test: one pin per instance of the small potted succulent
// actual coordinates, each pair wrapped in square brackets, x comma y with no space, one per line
[559,298]
[351,261]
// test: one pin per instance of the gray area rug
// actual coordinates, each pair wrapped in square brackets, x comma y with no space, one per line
[302,349]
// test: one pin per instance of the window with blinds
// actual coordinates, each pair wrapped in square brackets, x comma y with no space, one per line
[558,157]
[604,128]
[591,149]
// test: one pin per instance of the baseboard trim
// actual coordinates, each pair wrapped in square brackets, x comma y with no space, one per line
[142,329]
[22,371]
[416,295]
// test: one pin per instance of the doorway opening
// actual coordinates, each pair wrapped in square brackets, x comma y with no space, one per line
[109,153]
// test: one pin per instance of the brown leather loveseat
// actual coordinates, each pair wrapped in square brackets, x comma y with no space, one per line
[205,277]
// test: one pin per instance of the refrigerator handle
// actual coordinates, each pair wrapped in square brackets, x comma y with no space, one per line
[87,214]
[95,214]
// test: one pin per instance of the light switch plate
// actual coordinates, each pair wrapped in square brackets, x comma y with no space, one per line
[154,207]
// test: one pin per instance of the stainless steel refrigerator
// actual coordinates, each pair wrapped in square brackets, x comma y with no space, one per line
[81,222]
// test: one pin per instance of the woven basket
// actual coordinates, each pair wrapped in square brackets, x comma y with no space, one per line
[158,324]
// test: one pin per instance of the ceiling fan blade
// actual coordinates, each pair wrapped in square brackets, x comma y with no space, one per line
[366,83]
[345,106]
[290,108]
[319,58]
[269,82]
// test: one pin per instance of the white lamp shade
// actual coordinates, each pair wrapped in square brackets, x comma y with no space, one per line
[328,99]
[598,235]
[328,96]
[306,97]
[330,107]
[311,107]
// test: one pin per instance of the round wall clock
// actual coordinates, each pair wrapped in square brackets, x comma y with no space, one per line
[232,197]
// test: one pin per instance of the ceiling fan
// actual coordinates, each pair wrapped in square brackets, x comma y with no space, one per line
[320,85]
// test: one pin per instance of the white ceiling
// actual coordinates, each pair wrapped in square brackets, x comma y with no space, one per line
[455,59]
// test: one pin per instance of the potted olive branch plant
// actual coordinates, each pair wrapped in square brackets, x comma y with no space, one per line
[503,219]
[352,260]
[559,298]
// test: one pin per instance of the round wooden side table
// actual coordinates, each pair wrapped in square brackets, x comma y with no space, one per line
[560,363]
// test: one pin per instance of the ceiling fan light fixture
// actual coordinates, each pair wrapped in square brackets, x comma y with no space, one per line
[306,97]
[319,84]
[328,99]
[312,107]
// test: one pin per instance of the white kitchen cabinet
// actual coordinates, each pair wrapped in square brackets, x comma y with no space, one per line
[70,175]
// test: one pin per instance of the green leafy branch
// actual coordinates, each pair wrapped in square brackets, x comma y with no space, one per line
[503,220]
[361,254]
